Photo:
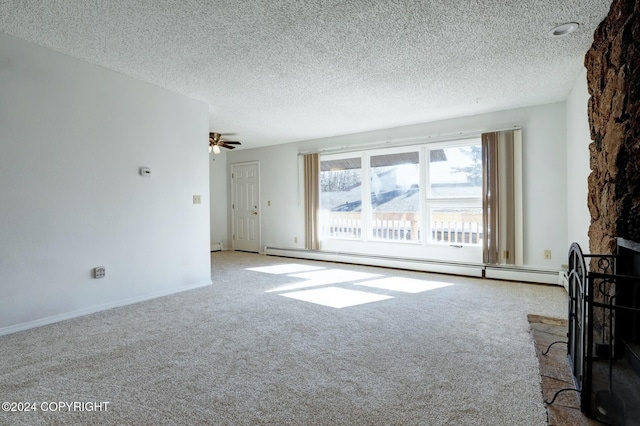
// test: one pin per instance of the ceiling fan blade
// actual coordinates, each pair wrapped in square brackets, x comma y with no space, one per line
[227,146]
[232,142]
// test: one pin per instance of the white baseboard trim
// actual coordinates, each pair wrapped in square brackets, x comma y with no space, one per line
[385,261]
[217,246]
[510,273]
[92,310]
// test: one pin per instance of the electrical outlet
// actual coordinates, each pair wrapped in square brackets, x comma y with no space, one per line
[295,240]
[196,199]
[547,254]
[99,272]
[269,203]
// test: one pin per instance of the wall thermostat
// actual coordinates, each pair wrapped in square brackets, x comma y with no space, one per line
[99,272]
[145,171]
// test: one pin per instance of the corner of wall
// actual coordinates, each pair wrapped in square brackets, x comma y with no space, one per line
[578,140]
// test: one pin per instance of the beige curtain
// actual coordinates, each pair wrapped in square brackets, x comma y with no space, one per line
[311,200]
[501,197]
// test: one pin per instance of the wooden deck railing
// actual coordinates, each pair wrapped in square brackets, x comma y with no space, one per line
[343,225]
[446,227]
[396,226]
[456,227]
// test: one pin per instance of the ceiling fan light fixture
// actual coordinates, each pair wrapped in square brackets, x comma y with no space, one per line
[564,29]
[215,142]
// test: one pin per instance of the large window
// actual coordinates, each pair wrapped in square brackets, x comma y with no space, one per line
[455,201]
[428,194]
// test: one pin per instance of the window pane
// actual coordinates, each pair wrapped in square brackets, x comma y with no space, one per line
[456,171]
[456,225]
[395,199]
[341,198]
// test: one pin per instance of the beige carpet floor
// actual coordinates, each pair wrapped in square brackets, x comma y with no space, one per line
[293,343]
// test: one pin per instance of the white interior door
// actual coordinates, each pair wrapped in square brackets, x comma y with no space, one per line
[245,203]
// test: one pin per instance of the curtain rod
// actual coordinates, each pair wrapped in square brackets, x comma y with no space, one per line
[408,141]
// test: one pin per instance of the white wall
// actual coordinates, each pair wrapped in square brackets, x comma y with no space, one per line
[578,170]
[73,136]
[219,204]
[544,176]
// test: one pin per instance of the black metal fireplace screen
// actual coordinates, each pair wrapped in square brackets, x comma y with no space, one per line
[604,332]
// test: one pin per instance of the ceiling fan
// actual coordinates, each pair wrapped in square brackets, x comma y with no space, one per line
[215,142]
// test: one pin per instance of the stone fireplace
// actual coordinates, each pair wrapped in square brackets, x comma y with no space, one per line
[613,77]
[604,331]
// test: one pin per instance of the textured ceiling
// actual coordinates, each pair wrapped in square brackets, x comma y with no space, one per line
[276,71]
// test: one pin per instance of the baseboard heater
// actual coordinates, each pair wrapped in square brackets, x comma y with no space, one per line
[385,261]
[217,247]
[523,273]
[443,267]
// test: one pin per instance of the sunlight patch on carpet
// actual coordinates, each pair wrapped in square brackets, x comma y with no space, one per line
[405,285]
[296,286]
[285,268]
[336,297]
[333,276]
